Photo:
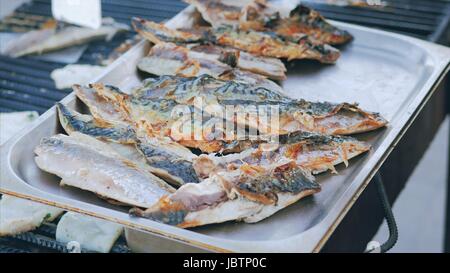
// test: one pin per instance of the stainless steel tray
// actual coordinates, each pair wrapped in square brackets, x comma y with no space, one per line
[384,72]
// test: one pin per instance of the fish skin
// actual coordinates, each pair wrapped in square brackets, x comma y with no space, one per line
[152,112]
[86,163]
[71,36]
[219,12]
[73,121]
[316,117]
[258,43]
[150,115]
[260,15]
[15,47]
[169,161]
[244,194]
[314,152]
[163,158]
[170,59]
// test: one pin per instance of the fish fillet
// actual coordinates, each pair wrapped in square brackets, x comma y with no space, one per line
[91,233]
[86,163]
[19,215]
[248,193]
[162,157]
[257,43]
[316,153]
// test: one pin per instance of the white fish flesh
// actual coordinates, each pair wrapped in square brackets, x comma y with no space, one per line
[170,59]
[86,163]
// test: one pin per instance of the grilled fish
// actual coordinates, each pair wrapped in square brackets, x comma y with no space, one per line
[163,117]
[257,43]
[248,193]
[270,67]
[72,121]
[316,153]
[185,90]
[301,21]
[301,115]
[156,108]
[102,109]
[294,115]
[86,163]
[220,12]
[70,36]
[162,157]
[170,59]
[259,15]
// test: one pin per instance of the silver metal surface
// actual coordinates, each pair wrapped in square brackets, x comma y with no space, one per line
[384,72]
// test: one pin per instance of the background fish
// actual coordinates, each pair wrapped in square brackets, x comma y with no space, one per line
[72,121]
[162,157]
[270,67]
[257,43]
[170,59]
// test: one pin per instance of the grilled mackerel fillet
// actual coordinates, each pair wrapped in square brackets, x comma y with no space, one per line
[257,43]
[170,59]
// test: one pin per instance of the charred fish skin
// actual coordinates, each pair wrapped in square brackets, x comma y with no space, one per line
[179,169]
[302,20]
[73,121]
[270,45]
[310,22]
[84,162]
[270,67]
[176,168]
[170,59]
[314,152]
[243,194]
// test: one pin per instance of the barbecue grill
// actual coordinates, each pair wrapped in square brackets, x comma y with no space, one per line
[25,83]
